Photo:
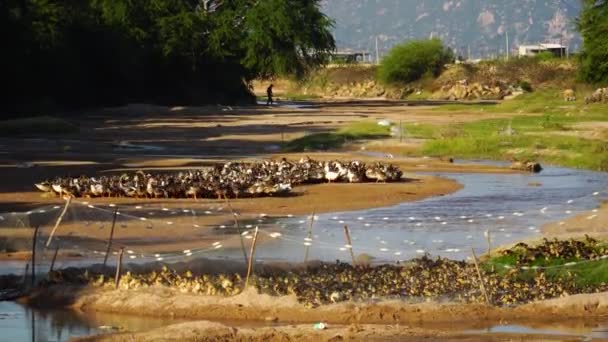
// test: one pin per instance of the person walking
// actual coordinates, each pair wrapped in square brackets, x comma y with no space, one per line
[269,93]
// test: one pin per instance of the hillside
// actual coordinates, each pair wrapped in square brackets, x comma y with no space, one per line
[462,24]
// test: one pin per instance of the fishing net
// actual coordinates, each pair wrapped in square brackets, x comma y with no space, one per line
[93,232]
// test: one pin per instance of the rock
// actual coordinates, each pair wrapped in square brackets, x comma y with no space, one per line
[528,166]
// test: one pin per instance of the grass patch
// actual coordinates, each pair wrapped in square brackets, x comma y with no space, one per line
[420,131]
[330,140]
[541,136]
[37,125]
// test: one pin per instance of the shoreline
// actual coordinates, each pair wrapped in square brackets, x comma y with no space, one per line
[428,317]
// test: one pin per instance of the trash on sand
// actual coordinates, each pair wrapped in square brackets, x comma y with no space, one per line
[320,326]
[107,327]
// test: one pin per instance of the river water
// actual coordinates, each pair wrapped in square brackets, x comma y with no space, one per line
[19,323]
[511,207]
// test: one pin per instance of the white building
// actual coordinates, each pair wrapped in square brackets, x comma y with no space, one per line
[558,50]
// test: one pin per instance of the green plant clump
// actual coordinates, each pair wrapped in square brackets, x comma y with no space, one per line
[411,61]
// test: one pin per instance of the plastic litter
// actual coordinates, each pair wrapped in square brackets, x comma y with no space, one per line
[320,326]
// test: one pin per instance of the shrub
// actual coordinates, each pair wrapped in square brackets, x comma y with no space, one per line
[410,61]
[525,86]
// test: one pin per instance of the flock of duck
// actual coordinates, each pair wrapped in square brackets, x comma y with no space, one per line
[421,278]
[232,180]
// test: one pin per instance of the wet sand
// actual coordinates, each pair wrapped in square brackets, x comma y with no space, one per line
[432,319]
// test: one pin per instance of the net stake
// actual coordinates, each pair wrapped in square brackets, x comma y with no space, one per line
[309,236]
[251,253]
[54,258]
[349,242]
[482,285]
[33,279]
[65,209]
[118,265]
[105,258]
[238,227]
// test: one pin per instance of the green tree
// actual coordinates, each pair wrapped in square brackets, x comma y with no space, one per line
[89,52]
[593,26]
[410,61]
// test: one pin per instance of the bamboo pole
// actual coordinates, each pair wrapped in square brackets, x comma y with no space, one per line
[27,269]
[309,236]
[349,242]
[65,209]
[482,285]
[33,279]
[54,258]
[118,265]
[489,239]
[237,226]
[251,253]
[108,249]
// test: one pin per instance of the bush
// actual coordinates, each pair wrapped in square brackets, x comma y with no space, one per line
[545,56]
[525,86]
[410,61]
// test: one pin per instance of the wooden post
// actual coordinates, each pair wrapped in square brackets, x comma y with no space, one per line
[54,258]
[349,242]
[489,239]
[27,269]
[251,253]
[309,236]
[238,227]
[482,285]
[33,281]
[108,249]
[65,209]
[400,131]
[118,265]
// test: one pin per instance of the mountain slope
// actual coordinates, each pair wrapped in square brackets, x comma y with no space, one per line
[478,25]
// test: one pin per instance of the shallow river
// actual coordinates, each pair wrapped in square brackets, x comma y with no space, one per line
[511,207]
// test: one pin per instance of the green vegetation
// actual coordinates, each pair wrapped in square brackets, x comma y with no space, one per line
[325,141]
[543,131]
[592,24]
[584,266]
[411,61]
[92,52]
[37,125]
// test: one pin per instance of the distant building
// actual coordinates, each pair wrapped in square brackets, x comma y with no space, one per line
[350,56]
[558,50]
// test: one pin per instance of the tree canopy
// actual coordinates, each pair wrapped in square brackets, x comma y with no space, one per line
[410,61]
[593,26]
[88,52]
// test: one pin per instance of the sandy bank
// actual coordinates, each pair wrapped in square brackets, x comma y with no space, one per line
[251,306]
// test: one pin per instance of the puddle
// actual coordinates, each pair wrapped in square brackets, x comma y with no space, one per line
[20,323]
[586,333]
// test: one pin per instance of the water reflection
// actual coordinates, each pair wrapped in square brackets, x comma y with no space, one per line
[20,323]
